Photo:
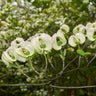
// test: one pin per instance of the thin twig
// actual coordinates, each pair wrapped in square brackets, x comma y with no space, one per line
[53,67]
[62,71]
[34,78]
[79,61]
[46,62]
[32,67]
[91,60]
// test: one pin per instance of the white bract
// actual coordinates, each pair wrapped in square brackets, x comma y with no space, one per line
[36,45]
[5,58]
[8,56]
[58,40]
[65,28]
[76,39]
[90,34]
[91,25]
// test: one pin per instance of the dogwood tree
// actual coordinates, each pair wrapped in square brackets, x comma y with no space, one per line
[50,44]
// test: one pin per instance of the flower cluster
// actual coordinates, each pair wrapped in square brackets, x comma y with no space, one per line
[43,43]
[81,32]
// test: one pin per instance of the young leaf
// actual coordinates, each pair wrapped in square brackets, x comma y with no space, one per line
[80,52]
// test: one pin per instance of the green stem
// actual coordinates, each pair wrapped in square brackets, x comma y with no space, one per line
[78,46]
[19,67]
[46,61]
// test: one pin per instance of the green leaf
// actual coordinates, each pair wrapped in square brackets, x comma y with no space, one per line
[80,52]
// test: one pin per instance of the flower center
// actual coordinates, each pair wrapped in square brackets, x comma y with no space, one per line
[12,56]
[59,42]
[42,45]
[25,51]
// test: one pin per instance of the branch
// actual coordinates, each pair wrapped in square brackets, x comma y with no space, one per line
[77,87]
[13,85]
[64,68]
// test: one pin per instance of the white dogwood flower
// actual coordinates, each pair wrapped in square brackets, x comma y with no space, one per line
[16,42]
[8,56]
[45,42]
[79,29]
[65,28]
[76,39]
[42,42]
[58,40]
